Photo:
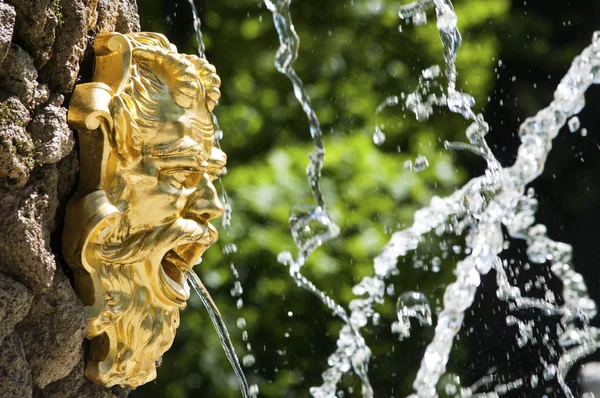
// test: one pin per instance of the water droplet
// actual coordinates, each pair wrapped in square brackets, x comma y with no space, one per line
[574,124]
[421,163]
[408,166]
[432,72]
[248,360]
[237,289]
[450,384]
[241,323]
[228,249]
[227,211]
[583,132]
[436,263]
[378,136]
[310,228]
[549,372]
[390,290]
[376,318]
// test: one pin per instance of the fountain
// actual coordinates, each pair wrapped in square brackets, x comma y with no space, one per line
[480,210]
[476,224]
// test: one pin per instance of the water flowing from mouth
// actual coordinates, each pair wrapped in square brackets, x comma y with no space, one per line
[221,329]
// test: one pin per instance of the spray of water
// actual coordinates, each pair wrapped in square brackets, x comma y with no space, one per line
[478,211]
[484,205]
[502,201]
[312,226]
[197,29]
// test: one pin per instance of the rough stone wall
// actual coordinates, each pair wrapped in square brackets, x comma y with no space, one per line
[42,322]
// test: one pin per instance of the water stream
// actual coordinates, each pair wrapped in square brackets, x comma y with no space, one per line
[312,226]
[221,329]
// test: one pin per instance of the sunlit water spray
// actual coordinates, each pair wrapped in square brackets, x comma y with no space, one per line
[478,211]
[312,226]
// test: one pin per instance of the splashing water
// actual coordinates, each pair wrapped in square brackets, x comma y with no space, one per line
[574,124]
[485,204]
[221,329]
[311,227]
[479,211]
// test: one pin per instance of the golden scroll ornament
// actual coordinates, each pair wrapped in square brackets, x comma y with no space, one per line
[140,217]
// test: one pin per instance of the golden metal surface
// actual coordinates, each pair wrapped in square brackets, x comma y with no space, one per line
[141,215]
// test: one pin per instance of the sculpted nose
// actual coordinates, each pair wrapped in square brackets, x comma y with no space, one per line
[205,204]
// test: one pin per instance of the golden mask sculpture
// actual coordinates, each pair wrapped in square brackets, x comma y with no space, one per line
[140,217]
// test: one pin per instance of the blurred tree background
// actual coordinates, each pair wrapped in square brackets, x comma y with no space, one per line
[352,57]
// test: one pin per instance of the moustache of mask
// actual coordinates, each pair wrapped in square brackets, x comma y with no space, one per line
[183,240]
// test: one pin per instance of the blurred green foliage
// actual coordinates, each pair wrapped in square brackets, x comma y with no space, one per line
[352,57]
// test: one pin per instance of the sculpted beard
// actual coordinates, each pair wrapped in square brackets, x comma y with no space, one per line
[133,248]
[127,299]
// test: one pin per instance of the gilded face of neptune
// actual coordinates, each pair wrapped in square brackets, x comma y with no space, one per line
[141,216]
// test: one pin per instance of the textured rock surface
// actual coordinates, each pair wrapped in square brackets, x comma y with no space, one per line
[15,376]
[71,39]
[7,22]
[16,146]
[127,20]
[51,135]
[55,313]
[74,386]
[28,219]
[15,302]
[42,322]
[18,77]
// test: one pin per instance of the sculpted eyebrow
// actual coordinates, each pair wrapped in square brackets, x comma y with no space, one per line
[181,147]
